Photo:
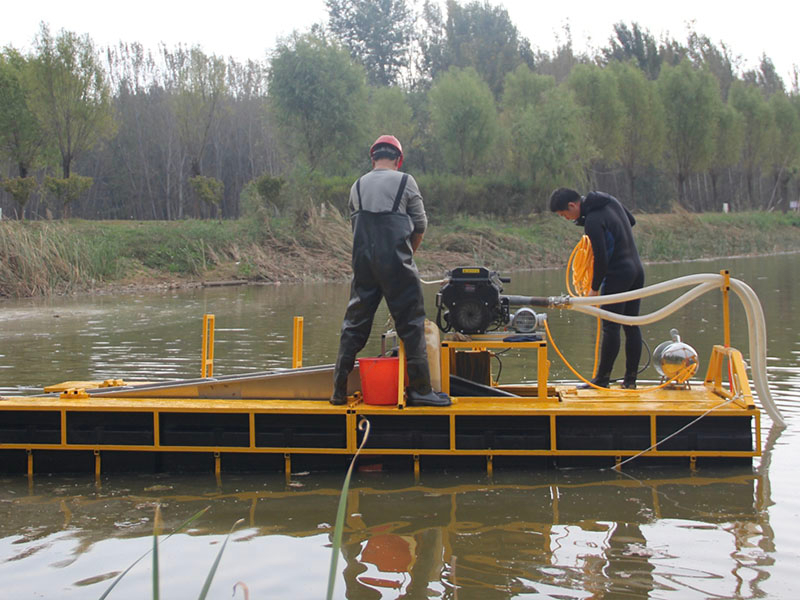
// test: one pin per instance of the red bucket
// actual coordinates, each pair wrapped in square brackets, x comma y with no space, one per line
[379,379]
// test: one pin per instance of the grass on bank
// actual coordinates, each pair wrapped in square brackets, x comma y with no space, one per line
[51,257]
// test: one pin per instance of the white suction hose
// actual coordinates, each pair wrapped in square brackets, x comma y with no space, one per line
[704,282]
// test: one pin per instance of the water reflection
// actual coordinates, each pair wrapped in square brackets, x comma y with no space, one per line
[582,533]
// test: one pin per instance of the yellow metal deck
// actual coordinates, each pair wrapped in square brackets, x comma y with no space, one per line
[592,415]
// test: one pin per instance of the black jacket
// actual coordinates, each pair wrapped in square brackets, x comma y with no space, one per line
[608,225]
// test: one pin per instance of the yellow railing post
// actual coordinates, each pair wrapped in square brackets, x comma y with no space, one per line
[726,308]
[401,371]
[297,344]
[208,346]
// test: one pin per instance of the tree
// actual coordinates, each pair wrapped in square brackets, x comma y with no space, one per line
[21,136]
[727,147]
[464,118]
[596,91]
[391,113]
[719,60]
[70,95]
[765,78]
[524,88]
[785,151]
[642,126]
[482,36]
[758,123]
[208,189]
[68,189]
[197,83]
[691,100]
[319,99]
[20,189]
[550,142]
[634,43]
[377,34]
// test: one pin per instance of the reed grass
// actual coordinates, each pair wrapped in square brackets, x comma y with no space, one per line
[154,549]
[338,528]
[42,257]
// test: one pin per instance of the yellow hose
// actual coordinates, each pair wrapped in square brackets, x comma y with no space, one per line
[687,370]
[581,264]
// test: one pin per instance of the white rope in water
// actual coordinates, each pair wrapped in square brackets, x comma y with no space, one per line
[617,467]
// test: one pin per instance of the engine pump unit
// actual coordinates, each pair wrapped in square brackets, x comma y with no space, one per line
[471,301]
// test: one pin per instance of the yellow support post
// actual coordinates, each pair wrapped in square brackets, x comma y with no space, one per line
[542,371]
[208,346]
[416,468]
[217,464]
[97,463]
[30,463]
[401,372]
[297,344]
[445,362]
[726,308]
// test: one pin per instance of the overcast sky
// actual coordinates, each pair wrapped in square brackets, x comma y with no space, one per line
[249,29]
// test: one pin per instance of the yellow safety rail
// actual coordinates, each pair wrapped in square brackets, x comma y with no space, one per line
[208,346]
[738,385]
[297,343]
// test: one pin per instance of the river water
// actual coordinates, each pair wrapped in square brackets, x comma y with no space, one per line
[659,532]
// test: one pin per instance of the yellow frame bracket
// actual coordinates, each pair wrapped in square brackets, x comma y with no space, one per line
[739,388]
[401,375]
[726,307]
[297,343]
[207,359]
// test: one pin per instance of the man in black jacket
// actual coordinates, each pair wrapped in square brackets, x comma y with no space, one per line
[617,268]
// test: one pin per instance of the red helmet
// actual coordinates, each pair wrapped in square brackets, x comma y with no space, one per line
[388,140]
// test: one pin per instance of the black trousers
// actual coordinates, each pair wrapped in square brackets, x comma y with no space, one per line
[383,267]
[609,347]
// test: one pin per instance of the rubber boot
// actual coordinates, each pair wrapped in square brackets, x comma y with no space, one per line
[339,395]
[629,382]
[340,374]
[419,388]
[430,398]
[603,381]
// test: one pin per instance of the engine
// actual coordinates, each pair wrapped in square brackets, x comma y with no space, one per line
[471,301]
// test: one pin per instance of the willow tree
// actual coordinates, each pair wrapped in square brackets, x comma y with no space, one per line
[728,139]
[785,151]
[523,91]
[319,98]
[464,119]
[642,126]
[196,84]
[21,136]
[70,95]
[691,101]
[759,132]
[554,146]
[377,34]
[596,91]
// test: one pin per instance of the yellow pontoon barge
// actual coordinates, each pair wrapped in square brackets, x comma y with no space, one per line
[282,420]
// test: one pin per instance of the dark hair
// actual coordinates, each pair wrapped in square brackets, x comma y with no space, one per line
[385,151]
[561,197]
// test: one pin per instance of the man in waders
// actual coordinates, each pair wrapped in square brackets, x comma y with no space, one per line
[617,268]
[388,220]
